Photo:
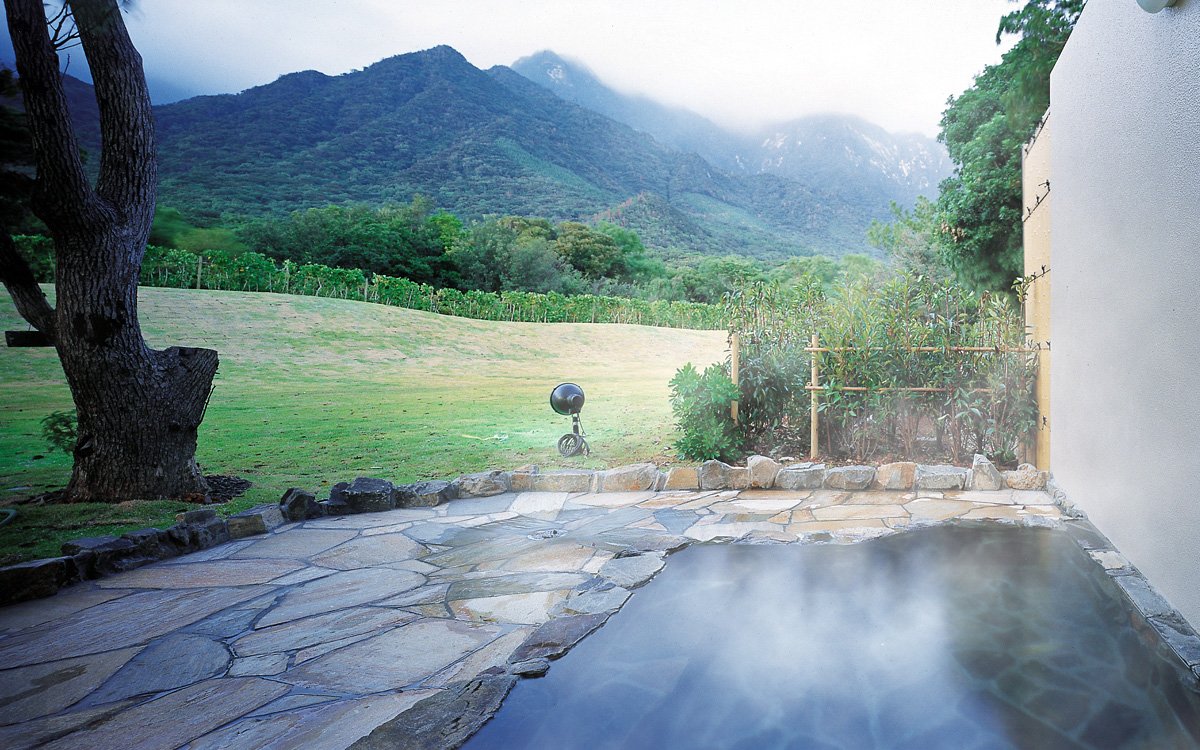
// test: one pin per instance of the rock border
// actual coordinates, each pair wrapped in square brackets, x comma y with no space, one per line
[93,557]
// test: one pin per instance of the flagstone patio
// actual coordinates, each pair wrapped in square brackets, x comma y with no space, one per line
[356,630]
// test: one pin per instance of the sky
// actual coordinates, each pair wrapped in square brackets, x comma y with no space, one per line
[745,64]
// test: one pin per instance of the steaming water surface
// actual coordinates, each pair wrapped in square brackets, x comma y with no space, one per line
[951,637]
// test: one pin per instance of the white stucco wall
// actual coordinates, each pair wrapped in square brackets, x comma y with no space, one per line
[1125,274]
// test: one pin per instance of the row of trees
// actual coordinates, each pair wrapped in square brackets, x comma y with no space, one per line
[510,253]
[973,230]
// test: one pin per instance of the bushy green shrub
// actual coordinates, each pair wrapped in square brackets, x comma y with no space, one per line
[887,336]
[701,403]
[59,430]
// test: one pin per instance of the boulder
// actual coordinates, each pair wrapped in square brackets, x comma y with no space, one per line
[568,480]
[941,477]
[299,505]
[631,478]
[984,474]
[682,478]
[804,476]
[483,484]
[1025,477]
[737,478]
[850,477]
[423,494]
[713,475]
[260,519]
[521,480]
[367,495]
[896,476]
[35,579]
[762,471]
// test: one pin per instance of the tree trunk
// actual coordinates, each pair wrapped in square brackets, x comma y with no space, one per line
[138,408]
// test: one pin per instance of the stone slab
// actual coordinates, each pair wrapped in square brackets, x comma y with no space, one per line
[128,621]
[38,690]
[531,608]
[295,543]
[331,725]
[168,663]
[310,631]
[634,570]
[395,659]
[847,512]
[15,617]
[371,551]
[202,574]
[176,718]
[443,720]
[338,591]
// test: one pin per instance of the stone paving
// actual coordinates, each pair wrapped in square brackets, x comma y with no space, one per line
[407,624]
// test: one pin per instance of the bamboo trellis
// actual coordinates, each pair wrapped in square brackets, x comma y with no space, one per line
[814,388]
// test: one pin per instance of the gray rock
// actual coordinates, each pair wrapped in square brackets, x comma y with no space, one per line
[569,480]
[805,476]
[529,667]
[682,478]
[941,477]
[900,475]
[299,505]
[443,720]
[762,471]
[633,571]
[332,507]
[35,579]
[603,598]
[1147,601]
[1025,477]
[631,478]
[257,520]
[521,480]
[96,544]
[714,475]
[200,515]
[172,662]
[367,495]
[984,474]
[737,478]
[554,638]
[483,484]
[850,477]
[424,494]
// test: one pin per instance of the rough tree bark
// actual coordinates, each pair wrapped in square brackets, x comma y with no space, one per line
[138,408]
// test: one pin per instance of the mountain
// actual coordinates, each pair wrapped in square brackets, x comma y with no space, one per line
[478,143]
[676,127]
[846,154]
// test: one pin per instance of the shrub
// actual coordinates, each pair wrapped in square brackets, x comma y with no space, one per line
[701,404]
[59,430]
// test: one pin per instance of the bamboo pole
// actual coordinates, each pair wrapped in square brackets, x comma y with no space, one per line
[979,349]
[813,419]
[735,346]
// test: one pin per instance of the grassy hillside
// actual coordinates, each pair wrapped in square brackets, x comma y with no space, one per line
[313,391]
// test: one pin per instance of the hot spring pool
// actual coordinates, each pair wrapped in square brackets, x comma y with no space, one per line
[951,637]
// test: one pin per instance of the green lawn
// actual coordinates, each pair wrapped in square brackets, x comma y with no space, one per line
[315,391]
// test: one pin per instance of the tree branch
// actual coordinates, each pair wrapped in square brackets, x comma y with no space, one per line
[62,192]
[128,163]
[28,297]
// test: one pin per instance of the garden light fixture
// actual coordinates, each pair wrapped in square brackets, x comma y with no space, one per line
[567,399]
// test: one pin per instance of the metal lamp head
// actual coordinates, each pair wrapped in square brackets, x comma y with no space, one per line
[566,399]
